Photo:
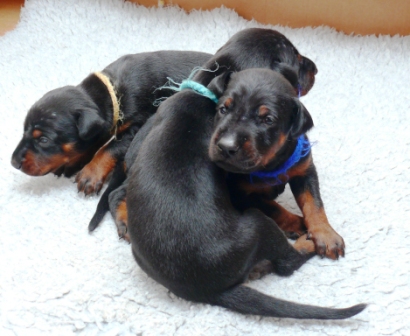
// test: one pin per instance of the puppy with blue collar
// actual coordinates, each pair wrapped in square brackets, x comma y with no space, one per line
[260,138]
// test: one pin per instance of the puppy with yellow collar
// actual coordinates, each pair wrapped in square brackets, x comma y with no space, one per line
[87,128]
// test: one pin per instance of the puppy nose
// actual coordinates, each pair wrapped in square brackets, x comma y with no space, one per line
[227,145]
[16,163]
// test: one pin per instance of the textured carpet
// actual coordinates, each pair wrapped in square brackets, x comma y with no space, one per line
[57,279]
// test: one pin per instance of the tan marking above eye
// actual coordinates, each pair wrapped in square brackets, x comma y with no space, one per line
[263,111]
[228,102]
[67,147]
[37,133]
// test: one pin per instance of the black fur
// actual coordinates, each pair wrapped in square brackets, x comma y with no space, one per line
[257,127]
[278,54]
[184,231]
[82,116]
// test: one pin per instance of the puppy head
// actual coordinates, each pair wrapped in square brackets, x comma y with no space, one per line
[258,113]
[60,129]
[262,48]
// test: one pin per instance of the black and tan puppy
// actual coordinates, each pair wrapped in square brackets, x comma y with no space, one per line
[184,231]
[282,57]
[260,134]
[69,128]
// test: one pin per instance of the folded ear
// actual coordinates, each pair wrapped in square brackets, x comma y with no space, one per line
[90,123]
[289,73]
[219,84]
[302,120]
[307,72]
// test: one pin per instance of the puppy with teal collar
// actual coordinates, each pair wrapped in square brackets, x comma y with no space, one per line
[184,231]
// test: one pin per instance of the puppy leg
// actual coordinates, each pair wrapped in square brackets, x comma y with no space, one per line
[264,267]
[306,191]
[118,209]
[94,174]
[274,246]
[92,177]
[293,225]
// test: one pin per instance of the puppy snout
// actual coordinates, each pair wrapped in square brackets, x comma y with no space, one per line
[16,162]
[18,156]
[228,146]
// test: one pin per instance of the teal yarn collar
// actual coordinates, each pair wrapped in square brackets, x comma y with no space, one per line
[189,84]
[199,88]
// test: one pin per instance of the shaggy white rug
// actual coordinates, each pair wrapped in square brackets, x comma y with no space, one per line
[57,279]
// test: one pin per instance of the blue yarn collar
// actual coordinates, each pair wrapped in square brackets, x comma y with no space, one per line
[302,149]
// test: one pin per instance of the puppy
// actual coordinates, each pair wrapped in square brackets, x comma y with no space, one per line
[184,231]
[260,137]
[69,128]
[281,55]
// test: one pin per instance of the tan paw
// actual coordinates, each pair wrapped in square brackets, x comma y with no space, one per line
[328,242]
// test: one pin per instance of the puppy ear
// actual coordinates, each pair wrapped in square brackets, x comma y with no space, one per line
[289,73]
[219,84]
[302,120]
[89,124]
[307,72]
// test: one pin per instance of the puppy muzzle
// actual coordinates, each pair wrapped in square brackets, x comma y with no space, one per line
[233,155]
[18,155]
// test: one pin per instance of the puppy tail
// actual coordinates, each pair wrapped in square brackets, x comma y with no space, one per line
[246,300]
[117,178]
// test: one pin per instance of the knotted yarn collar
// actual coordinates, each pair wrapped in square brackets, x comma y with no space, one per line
[302,149]
[115,101]
[189,84]
[199,88]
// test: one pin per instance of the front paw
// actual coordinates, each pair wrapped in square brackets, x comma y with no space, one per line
[328,242]
[90,180]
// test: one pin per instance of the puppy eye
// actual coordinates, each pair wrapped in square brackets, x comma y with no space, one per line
[269,120]
[43,141]
[222,110]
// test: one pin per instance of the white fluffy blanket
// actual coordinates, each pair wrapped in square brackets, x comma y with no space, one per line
[57,279]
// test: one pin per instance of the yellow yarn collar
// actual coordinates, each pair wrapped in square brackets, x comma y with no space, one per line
[115,101]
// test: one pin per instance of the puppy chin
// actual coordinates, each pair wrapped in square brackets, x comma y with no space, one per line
[33,172]
[232,168]
[235,166]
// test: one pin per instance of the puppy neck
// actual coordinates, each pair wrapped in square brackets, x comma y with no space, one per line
[301,148]
[115,102]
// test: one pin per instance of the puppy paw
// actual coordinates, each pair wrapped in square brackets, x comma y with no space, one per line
[88,181]
[121,221]
[304,245]
[92,177]
[123,231]
[328,242]
[260,269]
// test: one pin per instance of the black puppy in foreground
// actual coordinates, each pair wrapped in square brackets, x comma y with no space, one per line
[69,128]
[184,231]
